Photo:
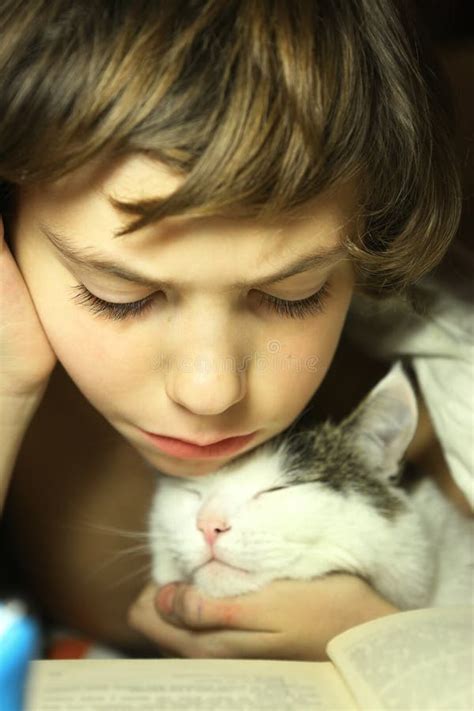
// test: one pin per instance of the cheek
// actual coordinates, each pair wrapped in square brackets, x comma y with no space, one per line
[300,361]
[103,358]
[95,359]
[105,361]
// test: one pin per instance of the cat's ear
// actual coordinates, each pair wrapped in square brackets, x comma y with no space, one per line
[385,422]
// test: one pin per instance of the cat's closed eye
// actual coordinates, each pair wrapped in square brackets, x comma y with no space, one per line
[192,491]
[269,491]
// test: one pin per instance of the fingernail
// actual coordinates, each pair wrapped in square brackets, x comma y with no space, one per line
[165,599]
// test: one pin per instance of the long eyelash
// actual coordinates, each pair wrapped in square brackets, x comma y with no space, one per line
[298,309]
[293,309]
[107,308]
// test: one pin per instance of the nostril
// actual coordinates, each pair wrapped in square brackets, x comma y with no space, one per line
[221,528]
[211,528]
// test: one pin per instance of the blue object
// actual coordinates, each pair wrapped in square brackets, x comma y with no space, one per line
[19,644]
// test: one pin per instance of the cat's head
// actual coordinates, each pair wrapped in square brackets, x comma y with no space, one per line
[307,504]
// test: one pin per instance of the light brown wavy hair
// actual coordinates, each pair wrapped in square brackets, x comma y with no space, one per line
[259,104]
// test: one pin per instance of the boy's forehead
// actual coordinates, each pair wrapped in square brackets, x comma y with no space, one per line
[129,178]
[81,207]
[76,215]
[141,178]
[138,177]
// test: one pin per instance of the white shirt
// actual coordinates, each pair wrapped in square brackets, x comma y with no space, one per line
[440,348]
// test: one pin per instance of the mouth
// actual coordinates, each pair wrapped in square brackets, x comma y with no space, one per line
[218,564]
[184,449]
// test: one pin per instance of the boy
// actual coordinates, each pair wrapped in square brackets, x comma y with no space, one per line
[190,184]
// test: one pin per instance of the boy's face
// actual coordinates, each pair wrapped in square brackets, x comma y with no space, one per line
[207,359]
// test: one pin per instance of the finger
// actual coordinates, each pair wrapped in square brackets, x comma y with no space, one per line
[215,644]
[142,617]
[234,644]
[185,605]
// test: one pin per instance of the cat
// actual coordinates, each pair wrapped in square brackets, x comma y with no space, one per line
[311,502]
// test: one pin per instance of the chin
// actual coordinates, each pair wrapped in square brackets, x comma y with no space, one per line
[184,468]
[173,466]
[216,579]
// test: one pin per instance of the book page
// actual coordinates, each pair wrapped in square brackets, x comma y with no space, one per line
[419,659]
[185,685]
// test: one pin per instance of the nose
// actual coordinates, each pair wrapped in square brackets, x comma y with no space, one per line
[206,385]
[211,528]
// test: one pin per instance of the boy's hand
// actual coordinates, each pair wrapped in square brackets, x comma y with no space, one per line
[287,619]
[26,357]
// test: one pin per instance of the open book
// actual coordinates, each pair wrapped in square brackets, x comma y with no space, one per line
[420,660]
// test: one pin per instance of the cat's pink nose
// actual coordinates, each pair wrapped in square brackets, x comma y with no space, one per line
[212,527]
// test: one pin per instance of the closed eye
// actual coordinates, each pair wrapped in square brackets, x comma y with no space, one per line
[192,491]
[269,491]
[299,309]
[116,311]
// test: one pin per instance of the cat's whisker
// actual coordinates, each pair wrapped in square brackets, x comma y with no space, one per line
[135,573]
[141,548]
[66,526]
[117,556]
[112,530]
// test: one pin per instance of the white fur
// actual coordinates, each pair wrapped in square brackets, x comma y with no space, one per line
[421,557]
[305,531]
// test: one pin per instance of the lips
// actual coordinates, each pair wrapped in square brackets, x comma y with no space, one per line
[217,563]
[205,443]
[184,449]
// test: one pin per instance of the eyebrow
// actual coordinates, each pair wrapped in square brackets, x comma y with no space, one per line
[94,261]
